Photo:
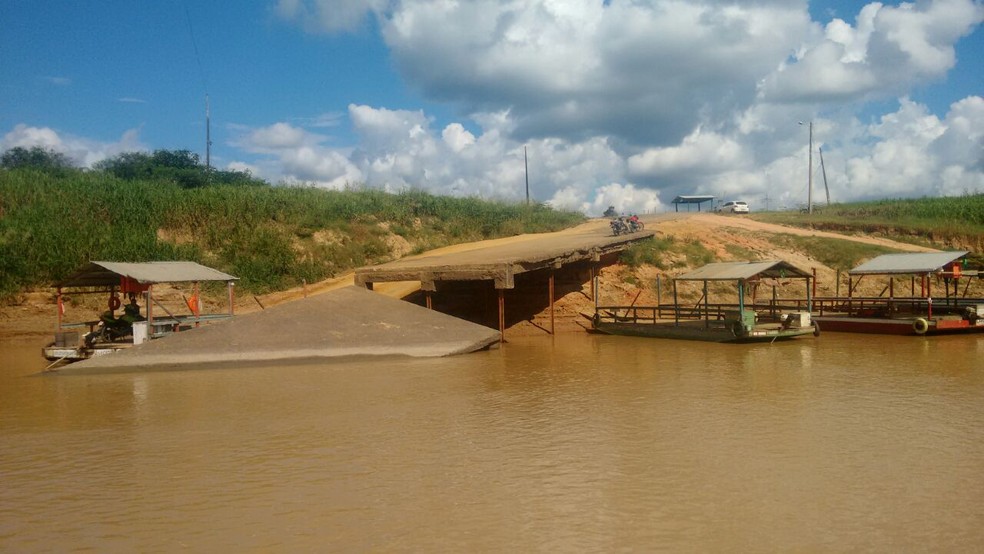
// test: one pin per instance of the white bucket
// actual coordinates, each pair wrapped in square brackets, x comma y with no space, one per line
[139,332]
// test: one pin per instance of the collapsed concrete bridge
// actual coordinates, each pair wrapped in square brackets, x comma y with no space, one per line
[461,281]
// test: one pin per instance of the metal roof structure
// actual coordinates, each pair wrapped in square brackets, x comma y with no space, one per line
[734,271]
[691,200]
[908,263]
[109,273]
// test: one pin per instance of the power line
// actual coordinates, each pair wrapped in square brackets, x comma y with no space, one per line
[204,77]
[194,44]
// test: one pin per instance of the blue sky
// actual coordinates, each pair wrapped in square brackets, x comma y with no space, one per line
[618,103]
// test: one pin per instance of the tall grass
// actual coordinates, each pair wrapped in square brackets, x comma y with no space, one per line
[270,237]
[934,219]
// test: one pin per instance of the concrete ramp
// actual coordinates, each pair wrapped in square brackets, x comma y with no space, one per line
[343,323]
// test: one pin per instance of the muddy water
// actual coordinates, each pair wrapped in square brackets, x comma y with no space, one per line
[578,443]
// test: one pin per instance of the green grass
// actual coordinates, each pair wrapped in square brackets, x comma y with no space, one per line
[667,252]
[929,220]
[271,237]
[834,253]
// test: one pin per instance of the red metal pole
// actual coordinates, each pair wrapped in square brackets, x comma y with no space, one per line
[198,305]
[61,308]
[551,302]
[150,310]
[592,269]
[502,315]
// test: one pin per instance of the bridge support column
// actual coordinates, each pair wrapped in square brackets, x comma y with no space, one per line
[593,284]
[430,304]
[551,302]
[502,314]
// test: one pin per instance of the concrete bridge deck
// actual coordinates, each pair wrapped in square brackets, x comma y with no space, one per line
[501,261]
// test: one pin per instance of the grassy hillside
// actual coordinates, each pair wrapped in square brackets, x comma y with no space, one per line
[272,237]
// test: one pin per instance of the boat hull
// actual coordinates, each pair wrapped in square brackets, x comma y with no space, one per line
[900,326]
[699,331]
[68,354]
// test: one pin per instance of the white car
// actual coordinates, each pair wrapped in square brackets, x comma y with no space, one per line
[734,206]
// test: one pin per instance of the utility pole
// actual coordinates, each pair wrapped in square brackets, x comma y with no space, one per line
[526,165]
[824,170]
[809,194]
[208,142]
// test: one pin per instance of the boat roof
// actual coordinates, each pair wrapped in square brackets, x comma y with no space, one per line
[108,273]
[918,262]
[732,271]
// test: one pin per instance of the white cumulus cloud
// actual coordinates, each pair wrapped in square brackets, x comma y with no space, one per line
[82,151]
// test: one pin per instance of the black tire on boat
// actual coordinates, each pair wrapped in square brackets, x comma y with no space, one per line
[816,329]
[920,326]
[737,329]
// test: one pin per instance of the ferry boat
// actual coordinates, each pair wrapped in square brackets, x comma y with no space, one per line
[718,322]
[912,314]
[121,325]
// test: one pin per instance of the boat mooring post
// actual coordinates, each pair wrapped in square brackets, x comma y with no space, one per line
[707,308]
[676,305]
[810,292]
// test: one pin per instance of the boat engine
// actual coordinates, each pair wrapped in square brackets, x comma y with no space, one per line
[796,320]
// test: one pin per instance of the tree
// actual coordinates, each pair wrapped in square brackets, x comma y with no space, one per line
[175,159]
[36,157]
[127,166]
[180,166]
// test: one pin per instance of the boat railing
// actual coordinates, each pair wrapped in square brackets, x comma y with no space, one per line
[664,312]
[772,308]
[878,306]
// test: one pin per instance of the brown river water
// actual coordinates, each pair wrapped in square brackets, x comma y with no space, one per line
[576,443]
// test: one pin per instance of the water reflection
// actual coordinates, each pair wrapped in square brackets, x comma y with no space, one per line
[567,443]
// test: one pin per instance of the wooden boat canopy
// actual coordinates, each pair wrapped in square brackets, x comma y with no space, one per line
[745,271]
[908,263]
[97,274]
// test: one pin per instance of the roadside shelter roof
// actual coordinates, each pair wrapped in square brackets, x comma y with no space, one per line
[108,273]
[692,199]
[908,263]
[688,200]
[733,271]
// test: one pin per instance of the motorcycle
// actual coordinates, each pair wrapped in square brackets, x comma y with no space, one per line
[619,226]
